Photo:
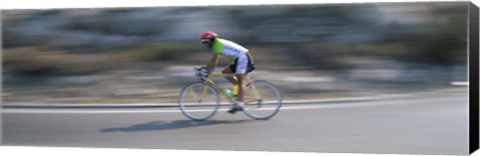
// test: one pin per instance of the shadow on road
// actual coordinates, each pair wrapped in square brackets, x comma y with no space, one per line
[166,125]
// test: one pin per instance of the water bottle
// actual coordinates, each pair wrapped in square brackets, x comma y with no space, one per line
[228,93]
[235,90]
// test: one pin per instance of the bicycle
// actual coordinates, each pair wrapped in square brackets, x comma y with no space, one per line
[201,100]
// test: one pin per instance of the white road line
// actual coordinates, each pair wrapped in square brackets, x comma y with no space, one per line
[143,110]
[175,104]
[459,83]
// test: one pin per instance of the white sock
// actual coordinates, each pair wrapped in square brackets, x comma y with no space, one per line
[240,104]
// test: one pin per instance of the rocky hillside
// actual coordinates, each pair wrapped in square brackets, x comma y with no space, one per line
[68,55]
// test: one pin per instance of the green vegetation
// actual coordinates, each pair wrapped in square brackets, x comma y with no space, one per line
[160,51]
[146,54]
[45,61]
[323,36]
[49,61]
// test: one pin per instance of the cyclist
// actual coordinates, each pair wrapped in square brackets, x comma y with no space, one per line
[242,64]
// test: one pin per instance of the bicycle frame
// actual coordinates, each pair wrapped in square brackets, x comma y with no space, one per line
[220,89]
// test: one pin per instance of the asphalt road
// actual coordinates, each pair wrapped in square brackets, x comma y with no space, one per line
[429,123]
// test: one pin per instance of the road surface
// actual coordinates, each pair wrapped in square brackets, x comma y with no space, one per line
[428,123]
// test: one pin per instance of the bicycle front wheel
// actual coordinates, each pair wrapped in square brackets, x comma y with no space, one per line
[262,101]
[199,101]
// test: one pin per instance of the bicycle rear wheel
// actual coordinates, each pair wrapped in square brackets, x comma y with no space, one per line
[199,101]
[262,100]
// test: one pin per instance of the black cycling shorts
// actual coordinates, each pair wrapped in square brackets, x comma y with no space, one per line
[250,64]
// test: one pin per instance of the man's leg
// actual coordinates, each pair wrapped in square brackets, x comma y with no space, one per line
[242,87]
[230,77]
[241,71]
[240,97]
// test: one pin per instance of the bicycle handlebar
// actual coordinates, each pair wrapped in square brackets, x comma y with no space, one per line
[214,74]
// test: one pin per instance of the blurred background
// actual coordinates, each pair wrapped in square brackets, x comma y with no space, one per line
[127,55]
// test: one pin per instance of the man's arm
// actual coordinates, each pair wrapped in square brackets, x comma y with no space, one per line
[213,63]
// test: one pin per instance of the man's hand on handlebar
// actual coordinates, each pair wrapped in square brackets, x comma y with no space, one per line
[201,73]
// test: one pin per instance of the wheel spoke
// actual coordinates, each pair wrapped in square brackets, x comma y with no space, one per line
[197,108]
[267,101]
